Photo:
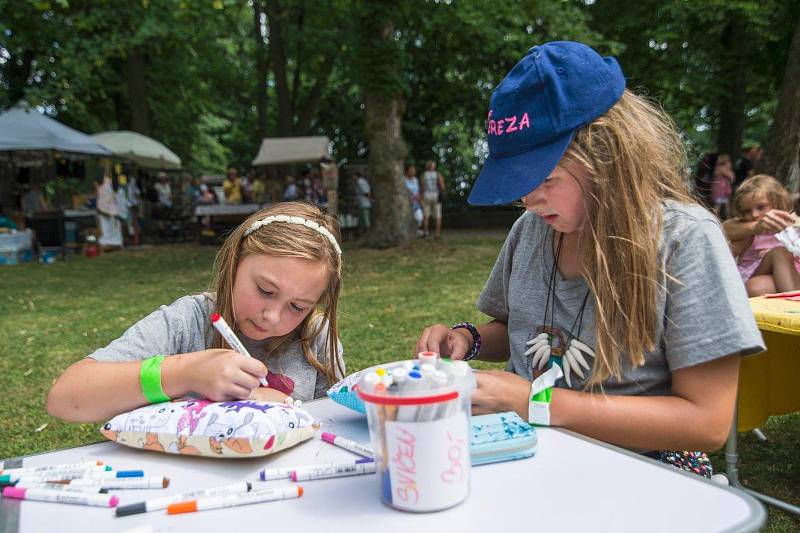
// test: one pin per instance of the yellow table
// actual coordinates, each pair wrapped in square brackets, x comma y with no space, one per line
[769,383]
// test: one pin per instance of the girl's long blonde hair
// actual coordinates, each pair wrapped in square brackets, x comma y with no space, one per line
[286,240]
[635,160]
[777,195]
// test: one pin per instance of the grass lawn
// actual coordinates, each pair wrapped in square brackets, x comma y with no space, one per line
[53,315]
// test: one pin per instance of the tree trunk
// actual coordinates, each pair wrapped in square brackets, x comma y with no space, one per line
[275,16]
[392,220]
[262,70]
[135,69]
[731,124]
[782,151]
[384,105]
[18,75]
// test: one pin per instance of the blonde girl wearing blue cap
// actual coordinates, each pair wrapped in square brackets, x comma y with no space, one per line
[602,292]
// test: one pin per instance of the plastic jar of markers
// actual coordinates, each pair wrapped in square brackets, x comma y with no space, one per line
[418,413]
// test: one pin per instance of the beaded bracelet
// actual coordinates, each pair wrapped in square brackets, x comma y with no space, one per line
[476,339]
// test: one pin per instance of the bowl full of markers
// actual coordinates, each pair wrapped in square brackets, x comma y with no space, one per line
[418,413]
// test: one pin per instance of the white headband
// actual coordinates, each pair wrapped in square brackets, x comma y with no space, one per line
[294,220]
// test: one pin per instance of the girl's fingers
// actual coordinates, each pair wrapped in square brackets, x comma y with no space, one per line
[253,366]
[456,349]
[247,381]
[431,339]
[239,393]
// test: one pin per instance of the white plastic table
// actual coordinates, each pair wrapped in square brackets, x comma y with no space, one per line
[571,484]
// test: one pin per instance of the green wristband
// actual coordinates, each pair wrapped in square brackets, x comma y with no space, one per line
[543,395]
[150,379]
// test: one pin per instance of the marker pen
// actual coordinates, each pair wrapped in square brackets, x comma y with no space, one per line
[285,472]
[339,470]
[232,340]
[96,489]
[370,380]
[158,504]
[427,357]
[156,482]
[426,369]
[456,371]
[77,474]
[413,383]
[399,376]
[58,496]
[348,444]
[88,465]
[61,473]
[235,500]
[438,381]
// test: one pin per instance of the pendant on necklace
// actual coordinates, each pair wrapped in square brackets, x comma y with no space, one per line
[571,361]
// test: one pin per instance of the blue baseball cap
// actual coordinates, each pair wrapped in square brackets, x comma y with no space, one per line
[554,90]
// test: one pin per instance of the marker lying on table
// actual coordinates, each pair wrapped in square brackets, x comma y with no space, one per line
[77,474]
[235,500]
[162,503]
[348,444]
[156,482]
[285,472]
[364,466]
[53,473]
[232,340]
[59,486]
[88,465]
[57,496]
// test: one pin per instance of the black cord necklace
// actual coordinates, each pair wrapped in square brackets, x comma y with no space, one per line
[543,348]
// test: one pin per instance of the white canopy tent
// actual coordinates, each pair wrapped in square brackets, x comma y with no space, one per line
[24,129]
[287,150]
[140,149]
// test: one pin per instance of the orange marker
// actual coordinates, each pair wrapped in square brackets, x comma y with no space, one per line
[235,500]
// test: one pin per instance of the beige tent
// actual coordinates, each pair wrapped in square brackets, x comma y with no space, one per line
[140,149]
[286,150]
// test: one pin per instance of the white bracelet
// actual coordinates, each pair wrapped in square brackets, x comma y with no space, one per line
[539,403]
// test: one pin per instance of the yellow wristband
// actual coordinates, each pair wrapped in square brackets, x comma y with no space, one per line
[150,379]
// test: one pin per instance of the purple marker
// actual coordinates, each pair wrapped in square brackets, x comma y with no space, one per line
[360,467]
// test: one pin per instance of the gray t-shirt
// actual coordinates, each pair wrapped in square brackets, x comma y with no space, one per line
[706,314]
[185,326]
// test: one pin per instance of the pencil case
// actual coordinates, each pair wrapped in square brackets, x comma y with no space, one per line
[344,394]
[499,437]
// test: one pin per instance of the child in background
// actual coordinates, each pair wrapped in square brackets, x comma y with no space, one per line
[761,206]
[722,185]
[277,280]
[606,278]
[412,186]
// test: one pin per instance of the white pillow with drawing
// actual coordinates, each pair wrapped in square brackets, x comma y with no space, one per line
[236,429]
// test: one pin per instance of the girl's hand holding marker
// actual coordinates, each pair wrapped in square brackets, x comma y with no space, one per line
[222,375]
[230,337]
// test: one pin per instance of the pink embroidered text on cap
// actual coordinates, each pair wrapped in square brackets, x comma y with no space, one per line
[507,124]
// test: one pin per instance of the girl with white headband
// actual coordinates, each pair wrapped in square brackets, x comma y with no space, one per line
[277,280]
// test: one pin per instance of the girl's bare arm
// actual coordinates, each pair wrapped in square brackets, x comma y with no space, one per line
[697,416]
